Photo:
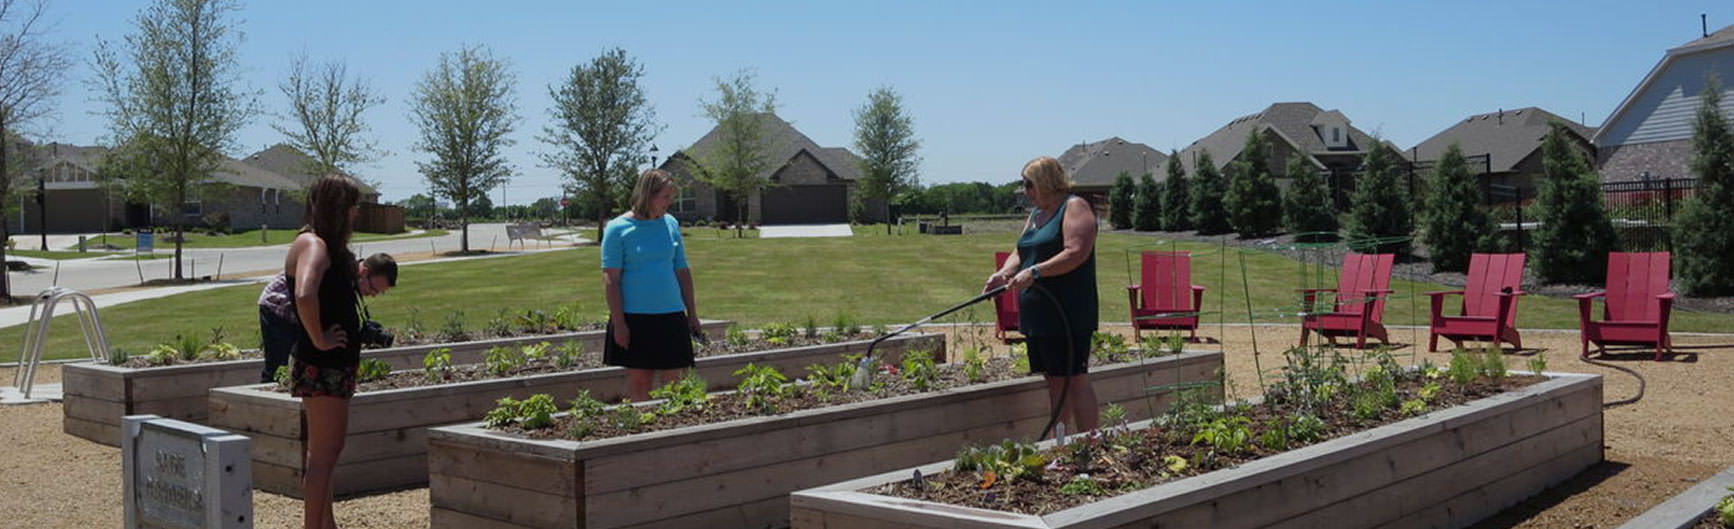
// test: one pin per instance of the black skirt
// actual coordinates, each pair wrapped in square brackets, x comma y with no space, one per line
[658,341]
[1058,356]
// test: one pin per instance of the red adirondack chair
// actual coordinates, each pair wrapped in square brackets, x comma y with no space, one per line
[1635,305]
[1359,304]
[1005,306]
[1489,308]
[1165,287]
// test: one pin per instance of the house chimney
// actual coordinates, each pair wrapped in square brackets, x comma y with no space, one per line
[1501,116]
[1704,23]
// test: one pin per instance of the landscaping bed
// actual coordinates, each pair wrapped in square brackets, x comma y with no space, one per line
[1472,446]
[97,396]
[386,444]
[738,473]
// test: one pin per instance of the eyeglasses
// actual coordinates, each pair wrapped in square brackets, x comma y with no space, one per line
[1028,184]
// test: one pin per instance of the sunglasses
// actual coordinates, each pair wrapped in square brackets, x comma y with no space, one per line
[1028,184]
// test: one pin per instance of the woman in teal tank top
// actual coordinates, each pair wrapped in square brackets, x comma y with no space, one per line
[1057,252]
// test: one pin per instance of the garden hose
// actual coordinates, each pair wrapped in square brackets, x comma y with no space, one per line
[1623,369]
[864,372]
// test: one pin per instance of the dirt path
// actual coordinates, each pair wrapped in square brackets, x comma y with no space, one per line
[1656,447]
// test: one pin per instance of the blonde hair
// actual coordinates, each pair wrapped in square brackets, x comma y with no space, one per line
[651,183]
[1047,175]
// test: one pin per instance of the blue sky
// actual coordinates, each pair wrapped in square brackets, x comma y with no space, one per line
[989,84]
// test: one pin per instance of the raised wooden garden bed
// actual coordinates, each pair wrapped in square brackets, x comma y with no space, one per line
[97,396]
[387,442]
[739,473]
[1447,468]
[1687,509]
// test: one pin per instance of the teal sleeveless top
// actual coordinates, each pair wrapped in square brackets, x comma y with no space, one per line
[1075,290]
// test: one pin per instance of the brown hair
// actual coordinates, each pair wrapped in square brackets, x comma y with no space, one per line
[382,264]
[650,183]
[1047,175]
[327,216]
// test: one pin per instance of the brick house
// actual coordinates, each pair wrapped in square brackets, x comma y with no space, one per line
[1510,141]
[1094,166]
[809,184]
[1325,137]
[1649,135]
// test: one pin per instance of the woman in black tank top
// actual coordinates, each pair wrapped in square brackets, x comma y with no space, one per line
[321,273]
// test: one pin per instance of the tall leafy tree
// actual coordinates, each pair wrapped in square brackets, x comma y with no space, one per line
[1176,196]
[1307,208]
[1120,201]
[602,124]
[1147,204]
[31,70]
[327,105]
[1455,225]
[1575,236]
[175,100]
[1253,201]
[1704,230]
[466,112]
[1380,218]
[885,139]
[1209,214]
[739,161]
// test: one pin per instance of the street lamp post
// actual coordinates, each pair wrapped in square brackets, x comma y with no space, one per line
[42,207]
[652,156]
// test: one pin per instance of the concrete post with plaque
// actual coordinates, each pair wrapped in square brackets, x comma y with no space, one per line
[180,475]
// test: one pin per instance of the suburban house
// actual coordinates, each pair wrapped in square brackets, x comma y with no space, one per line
[1094,166]
[1325,137]
[290,162]
[809,184]
[1505,146]
[1649,135]
[254,193]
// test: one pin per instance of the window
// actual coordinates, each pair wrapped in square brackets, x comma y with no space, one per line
[193,208]
[685,202]
[1336,135]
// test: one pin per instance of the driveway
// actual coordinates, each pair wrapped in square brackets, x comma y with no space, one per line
[805,230]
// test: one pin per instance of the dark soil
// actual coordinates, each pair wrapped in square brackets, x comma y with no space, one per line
[1710,521]
[1100,458]
[138,360]
[1417,268]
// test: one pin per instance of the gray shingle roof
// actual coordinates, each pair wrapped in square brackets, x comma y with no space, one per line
[1507,136]
[1098,164]
[1720,36]
[292,164]
[1293,121]
[785,142]
[230,171]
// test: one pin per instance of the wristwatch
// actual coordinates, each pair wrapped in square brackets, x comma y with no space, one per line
[1036,272]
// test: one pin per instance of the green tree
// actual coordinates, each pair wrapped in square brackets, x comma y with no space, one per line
[1704,230]
[327,105]
[466,113]
[885,139]
[1209,214]
[1307,208]
[1120,201]
[738,163]
[1176,196]
[1575,236]
[601,125]
[1147,204]
[31,70]
[1454,223]
[1253,201]
[1380,219]
[175,101]
[418,206]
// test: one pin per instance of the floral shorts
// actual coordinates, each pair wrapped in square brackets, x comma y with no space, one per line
[307,380]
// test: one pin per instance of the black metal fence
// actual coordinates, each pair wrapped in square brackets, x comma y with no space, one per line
[1642,212]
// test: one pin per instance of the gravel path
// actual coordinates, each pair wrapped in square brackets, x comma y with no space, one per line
[1656,447]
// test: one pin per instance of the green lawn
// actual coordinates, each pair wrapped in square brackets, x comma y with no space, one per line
[876,279]
[246,239]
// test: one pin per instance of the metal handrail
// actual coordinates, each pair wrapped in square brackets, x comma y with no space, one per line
[36,332]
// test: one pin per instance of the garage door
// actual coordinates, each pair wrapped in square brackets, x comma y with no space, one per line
[823,204]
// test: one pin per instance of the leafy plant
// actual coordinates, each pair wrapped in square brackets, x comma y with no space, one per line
[372,369]
[625,416]
[919,370]
[534,413]
[568,354]
[1020,357]
[501,360]
[974,363]
[454,331]
[537,352]
[687,393]
[1725,510]
[763,386]
[1083,485]
[1413,407]
[567,317]
[1008,461]
[1306,428]
[189,346]
[1464,368]
[1274,439]
[845,324]
[1109,346]
[536,322]
[221,351]
[412,327]
[1225,435]
[118,356]
[811,329]
[834,377]
[1538,363]
[437,363]
[736,337]
[500,324]
[281,376]
[1493,364]
[778,333]
[505,412]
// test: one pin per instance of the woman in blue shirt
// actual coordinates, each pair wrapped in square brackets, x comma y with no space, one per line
[1057,251]
[651,312]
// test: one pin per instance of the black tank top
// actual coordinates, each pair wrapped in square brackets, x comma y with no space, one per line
[336,307]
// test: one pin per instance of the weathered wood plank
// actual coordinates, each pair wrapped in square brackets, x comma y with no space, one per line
[93,409]
[94,431]
[246,416]
[502,503]
[449,519]
[503,468]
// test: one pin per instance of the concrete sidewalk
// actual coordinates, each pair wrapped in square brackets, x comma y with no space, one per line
[805,230]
